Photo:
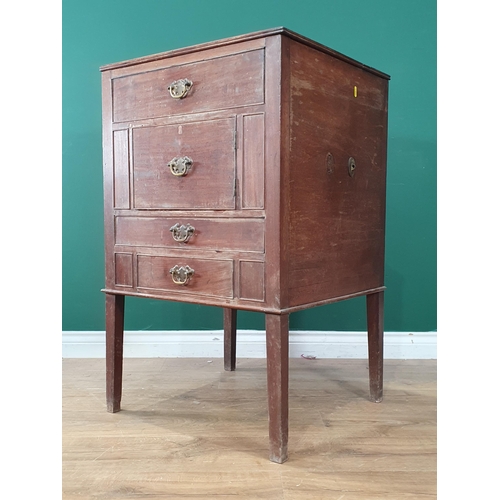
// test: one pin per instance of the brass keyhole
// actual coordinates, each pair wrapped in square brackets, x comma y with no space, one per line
[329,163]
[351,166]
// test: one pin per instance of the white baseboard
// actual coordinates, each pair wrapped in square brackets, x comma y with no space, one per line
[250,344]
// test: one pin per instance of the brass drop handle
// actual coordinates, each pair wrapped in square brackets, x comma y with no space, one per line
[180,166]
[182,233]
[181,274]
[180,88]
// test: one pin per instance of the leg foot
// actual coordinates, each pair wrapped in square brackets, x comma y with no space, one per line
[277,385]
[229,339]
[114,350]
[375,317]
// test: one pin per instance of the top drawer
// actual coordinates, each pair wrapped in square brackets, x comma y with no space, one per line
[221,83]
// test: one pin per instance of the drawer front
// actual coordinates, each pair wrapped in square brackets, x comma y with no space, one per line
[210,277]
[186,233]
[221,83]
[208,182]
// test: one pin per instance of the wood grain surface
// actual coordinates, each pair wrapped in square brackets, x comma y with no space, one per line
[268,132]
[190,430]
[145,94]
[209,184]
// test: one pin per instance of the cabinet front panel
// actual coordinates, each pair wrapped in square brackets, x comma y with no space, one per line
[251,276]
[221,83]
[194,233]
[252,175]
[124,269]
[121,172]
[210,277]
[209,181]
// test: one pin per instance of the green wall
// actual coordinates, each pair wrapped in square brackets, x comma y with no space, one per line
[394,36]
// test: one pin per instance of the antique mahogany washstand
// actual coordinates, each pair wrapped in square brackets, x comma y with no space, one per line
[246,173]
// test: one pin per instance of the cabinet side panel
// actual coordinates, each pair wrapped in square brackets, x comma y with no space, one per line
[337,220]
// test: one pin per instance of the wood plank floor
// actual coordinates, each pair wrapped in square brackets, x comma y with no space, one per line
[190,430]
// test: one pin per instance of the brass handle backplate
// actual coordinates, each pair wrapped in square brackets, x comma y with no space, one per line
[182,233]
[180,166]
[180,88]
[181,274]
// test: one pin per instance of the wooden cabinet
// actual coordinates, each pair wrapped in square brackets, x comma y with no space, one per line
[247,173]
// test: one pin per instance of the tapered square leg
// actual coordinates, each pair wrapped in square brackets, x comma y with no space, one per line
[277,385]
[375,317]
[229,339]
[115,308]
